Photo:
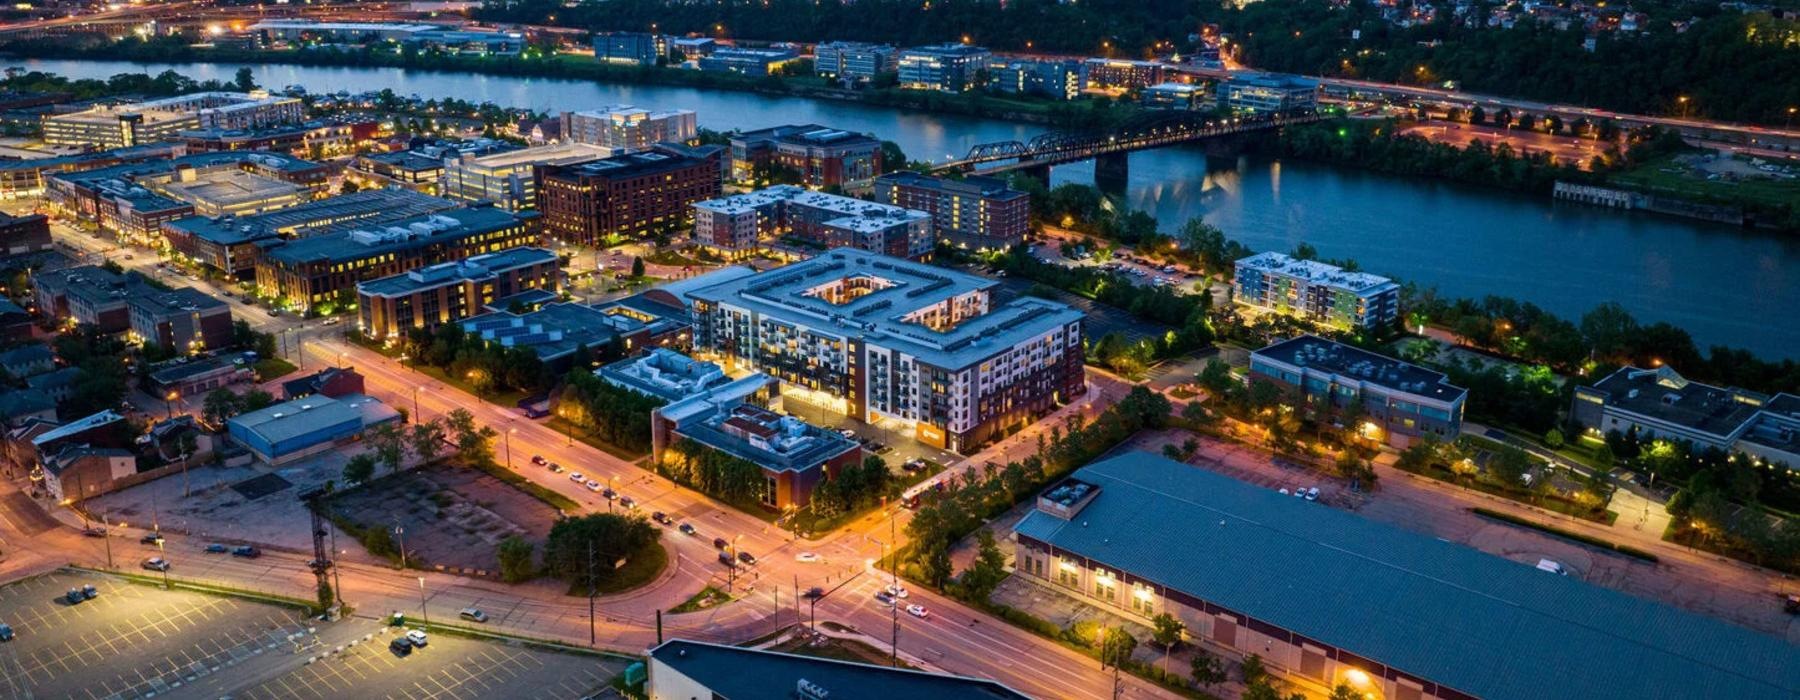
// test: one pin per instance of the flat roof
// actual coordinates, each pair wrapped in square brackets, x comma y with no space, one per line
[1477,623]
[626,165]
[879,315]
[183,368]
[552,331]
[1317,272]
[978,185]
[175,301]
[1663,394]
[770,440]
[1314,352]
[754,674]
[476,268]
[227,187]
[291,419]
[948,49]
[558,154]
[398,235]
[664,373]
[340,213]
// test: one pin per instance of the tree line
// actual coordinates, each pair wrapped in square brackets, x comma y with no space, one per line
[614,415]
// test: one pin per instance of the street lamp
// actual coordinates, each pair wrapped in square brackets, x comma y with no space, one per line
[416,402]
[509,434]
[169,401]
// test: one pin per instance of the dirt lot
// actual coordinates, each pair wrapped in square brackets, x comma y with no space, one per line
[450,517]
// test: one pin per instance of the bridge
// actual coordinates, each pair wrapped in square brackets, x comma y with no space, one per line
[1110,148]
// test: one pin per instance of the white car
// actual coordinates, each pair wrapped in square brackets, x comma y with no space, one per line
[577,478]
[593,486]
[417,637]
[896,591]
[918,611]
[807,558]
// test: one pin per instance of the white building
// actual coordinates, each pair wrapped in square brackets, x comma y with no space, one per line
[628,129]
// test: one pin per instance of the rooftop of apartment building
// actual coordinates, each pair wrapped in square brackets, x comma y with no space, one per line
[664,373]
[811,134]
[1663,394]
[225,187]
[365,241]
[90,283]
[1314,352]
[975,185]
[553,330]
[626,114]
[632,164]
[474,269]
[343,212]
[1422,605]
[856,213]
[856,293]
[1316,272]
[184,300]
[554,154]
[770,440]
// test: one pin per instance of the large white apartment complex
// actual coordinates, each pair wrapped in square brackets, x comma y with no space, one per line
[888,338]
[121,126]
[629,129]
[1324,293]
[737,225]
[509,178]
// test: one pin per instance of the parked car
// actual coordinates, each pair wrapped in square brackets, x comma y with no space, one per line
[627,502]
[246,551]
[74,597]
[577,478]
[472,615]
[1312,493]
[688,530]
[152,539]
[156,564]
[725,558]
[400,646]
[216,548]
[417,637]
[93,532]
[1552,566]
[918,611]
[896,591]
[89,592]
[6,632]
[662,518]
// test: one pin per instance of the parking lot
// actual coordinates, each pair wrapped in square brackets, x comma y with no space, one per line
[447,667]
[455,518]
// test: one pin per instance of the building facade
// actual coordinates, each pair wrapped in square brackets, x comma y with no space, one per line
[1660,404]
[748,61]
[628,129]
[509,178]
[231,244]
[944,67]
[1177,96]
[854,61]
[973,212]
[292,430]
[1120,74]
[634,195]
[1055,79]
[738,225]
[630,48]
[820,156]
[1399,402]
[24,234]
[127,125]
[1269,93]
[184,320]
[447,292]
[1313,290]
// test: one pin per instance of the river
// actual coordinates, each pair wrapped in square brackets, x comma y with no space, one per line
[1724,285]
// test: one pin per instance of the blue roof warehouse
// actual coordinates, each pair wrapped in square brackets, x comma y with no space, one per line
[294,429]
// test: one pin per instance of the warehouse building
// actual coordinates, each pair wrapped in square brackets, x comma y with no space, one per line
[292,430]
[1326,597]
[683,670]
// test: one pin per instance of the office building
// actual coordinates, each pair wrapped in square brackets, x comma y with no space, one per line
[225,190]
[27,178]
[879,337]
[509,178]
[184,320]
[296,31]
[1119,74]
[467,43]
[228,244]
[692,48]
[132,124]
[24,234]
[1660,404]
[630,48]
[306,273]
[628,129]
[820,156]
[409,170]
[293,430]
[973,212]
[944,67]
[736,419]
[446,292]
[1270,93]
[1326,597]
[1399,402]
[635,195]
[134,200]
[681,670]
[748,61]
[1055,79]
[1179,96]
[1322,293]
[854,61]
[738,225]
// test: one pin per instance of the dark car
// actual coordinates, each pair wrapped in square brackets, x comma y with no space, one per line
[74,596]
[246,551]
[216,548]
[401,646]
[662,517]
[746,558]
[719,543]
[539,460]
[93,532]
[153,538]
[725,558]
[89,592]
[609,494]
[688,530]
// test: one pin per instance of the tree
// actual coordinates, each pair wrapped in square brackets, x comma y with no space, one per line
[256,400]
[892,158]
[1168,632]
[1510,465]
[387,443]
[637,267]
[980,579]
[360,468]
[245,80]
[1343,691]
[1253,671]
[515,555]
[427,440]
[1554,439]
[608,537]
[1116,647]
[1206,669]
[474,443]
[219,406]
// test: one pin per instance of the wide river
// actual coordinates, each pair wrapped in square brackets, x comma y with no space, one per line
[1725,285]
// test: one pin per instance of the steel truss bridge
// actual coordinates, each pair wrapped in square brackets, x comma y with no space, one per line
[1150,130]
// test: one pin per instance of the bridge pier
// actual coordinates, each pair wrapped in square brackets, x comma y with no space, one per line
[1112,172]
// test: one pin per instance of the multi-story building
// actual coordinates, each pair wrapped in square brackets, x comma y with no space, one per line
[468,43]
[1181,96]
[628,129]
[693,48]
[306,273]
[509,178]
[973,212]
[225,190]
[1119,74]
[944,67]
[635,195]
[1398,402]
[1056,79]
[630,48]
[447,292]
[127,200]
[821,156]
[404,169]
[24,234]
[737,225]
[1325,294]
[27,178]
[740,419]
[879,337]
[1269,93]
[184,320]
[1318,594]
[664,374]
[748,61]
[228,244]
[1660,404]
[126,125]
[354,33]
[87,294]
[853,61]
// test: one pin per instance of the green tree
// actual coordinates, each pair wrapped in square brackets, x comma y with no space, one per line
[1117,646]
[387,442]
[245,80]
[1206,669]
[359,469]
[516,564]
[219,406]
[637,267]
[1510,465]
[988,569]
[607,537]
[256,400]
[474,443]
[1168,632]
[1554,439]
[427,440]
[1253,670]
[1343,691]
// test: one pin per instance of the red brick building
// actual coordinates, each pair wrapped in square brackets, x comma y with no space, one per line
[631,195]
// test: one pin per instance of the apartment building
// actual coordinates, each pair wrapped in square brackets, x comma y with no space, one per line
[1660,404]
[633,195]
[737,225]
[28,178]
[1326,597]
[821,156]
[628,129]
[228,244]
[1322,293]
[509,178]
[973,212]
[132,124]
[24,234]
[943,67]
[741,419]
[1119,74]
[880,337]
[306,273]
[185,320]
[854,61]
[1052,78]
[447,292]
[1399,402]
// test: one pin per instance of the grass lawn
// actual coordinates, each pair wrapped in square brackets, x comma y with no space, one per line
[706,598]
[271,367]
[1667,175]
[639,569]
[669,257]
[538,491]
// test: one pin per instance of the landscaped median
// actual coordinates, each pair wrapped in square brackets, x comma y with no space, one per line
[1577,537]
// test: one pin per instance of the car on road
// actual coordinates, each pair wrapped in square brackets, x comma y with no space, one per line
[627,502]
[593,486]
[417,637]
[896,591]
[246,551]
[1312,493]
[334,320]
[720,543]
[883,598]
[539,460]
[608,494]
[6,632]
[918,611]
[156,564]
[577,478]
[400,646]
[725,558]
[746,558]
[151,539]
[93,532]
[662,518]
[472,615]
[688,530]
[556,468]
[807,558]
[216,548]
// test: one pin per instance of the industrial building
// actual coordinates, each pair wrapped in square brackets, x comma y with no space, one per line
[1326,597]
[447,292]
[681,670]
[877,337]
[1399,402]
[972,212]
[296,429]
[1316,291]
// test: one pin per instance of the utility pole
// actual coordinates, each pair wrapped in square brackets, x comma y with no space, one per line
[400,532]
[424,613]
[106,532]
[894,610]
[592,635]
